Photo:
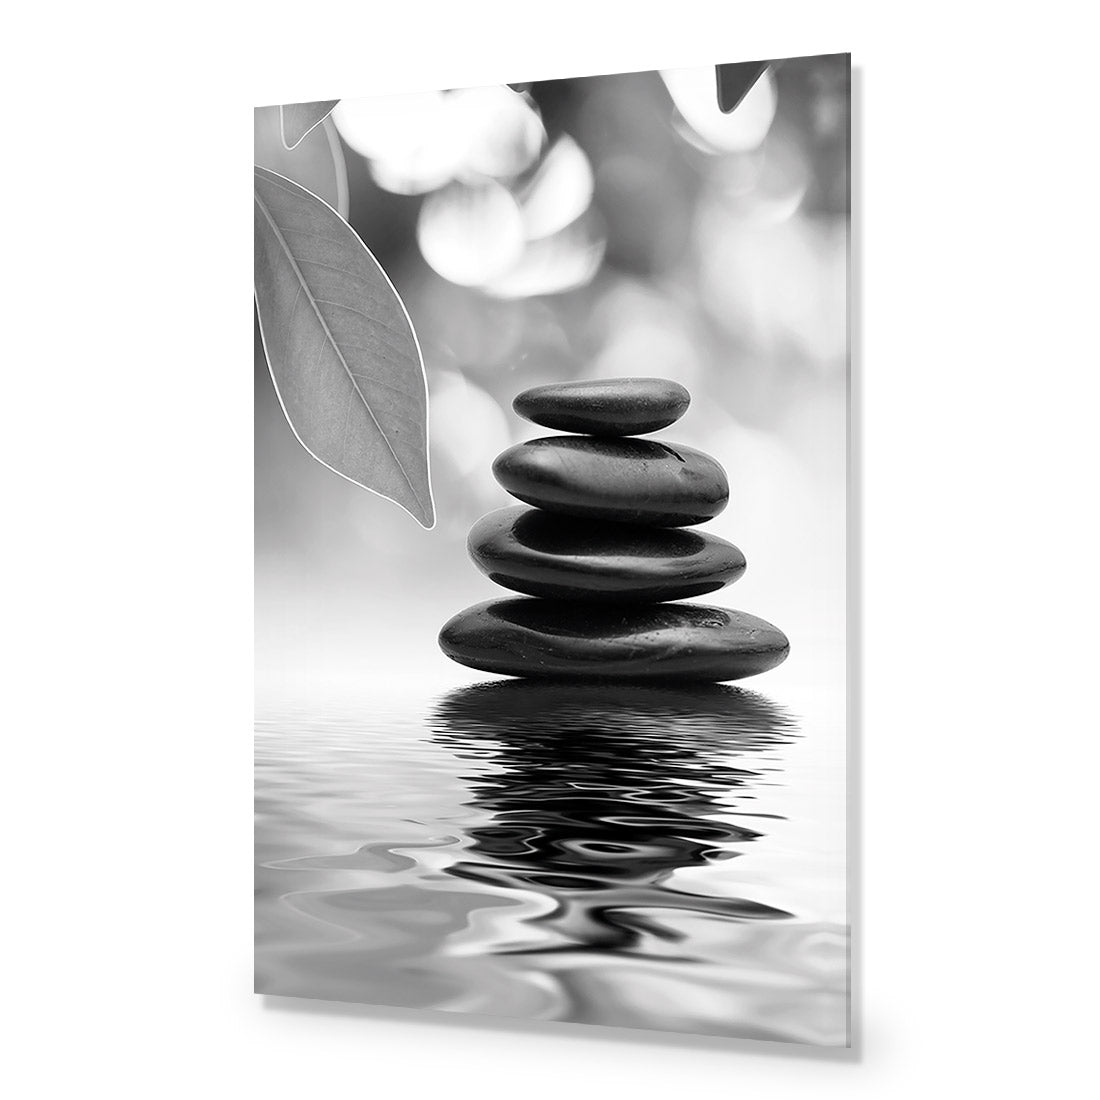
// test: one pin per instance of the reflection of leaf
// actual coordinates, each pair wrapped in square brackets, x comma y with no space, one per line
[340,346]
[299,118]
[735,81]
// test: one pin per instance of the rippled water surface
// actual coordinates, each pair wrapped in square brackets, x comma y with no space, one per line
[618,855]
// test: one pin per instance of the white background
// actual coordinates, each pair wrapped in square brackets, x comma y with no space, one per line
[127,462]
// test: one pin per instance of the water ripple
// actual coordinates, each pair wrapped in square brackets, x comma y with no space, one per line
[551,850]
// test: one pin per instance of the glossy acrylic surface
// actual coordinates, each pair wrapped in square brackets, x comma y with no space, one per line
[713,253]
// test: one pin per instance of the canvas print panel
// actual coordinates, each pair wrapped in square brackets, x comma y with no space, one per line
[551,476]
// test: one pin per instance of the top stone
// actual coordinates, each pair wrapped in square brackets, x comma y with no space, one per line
[616,406]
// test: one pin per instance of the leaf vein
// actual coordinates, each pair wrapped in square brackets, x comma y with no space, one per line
[327,333]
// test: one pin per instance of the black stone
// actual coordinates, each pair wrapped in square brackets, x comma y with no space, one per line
[623,480]
[619,406]
[532,551]
[551,638]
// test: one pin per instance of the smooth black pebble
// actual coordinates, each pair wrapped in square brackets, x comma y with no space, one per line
[552,638]
[532,551]
[618,406]
[622,480]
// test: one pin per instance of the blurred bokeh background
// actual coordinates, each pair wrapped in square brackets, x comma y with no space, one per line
[583,228]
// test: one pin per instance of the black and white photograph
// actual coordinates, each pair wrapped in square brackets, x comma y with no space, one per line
[551,439]
[590,592]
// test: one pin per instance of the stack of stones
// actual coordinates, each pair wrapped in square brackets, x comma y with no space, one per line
[603,547]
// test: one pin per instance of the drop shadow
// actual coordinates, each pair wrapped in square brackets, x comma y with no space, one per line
[551,1030]
[854,579]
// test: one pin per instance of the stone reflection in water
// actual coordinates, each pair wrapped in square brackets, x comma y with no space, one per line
[604,791]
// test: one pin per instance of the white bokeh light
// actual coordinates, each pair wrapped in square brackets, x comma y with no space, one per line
[469,429]
[500,134]
[470,234]
[417,143]
[567,260]
[695,93]
[405,137]
[560,191]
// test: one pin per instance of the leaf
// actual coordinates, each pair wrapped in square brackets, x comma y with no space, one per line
[299,118]
[315,163]
[341,348]
[735,81]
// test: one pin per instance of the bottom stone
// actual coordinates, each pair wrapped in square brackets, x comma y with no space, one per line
[551,638]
